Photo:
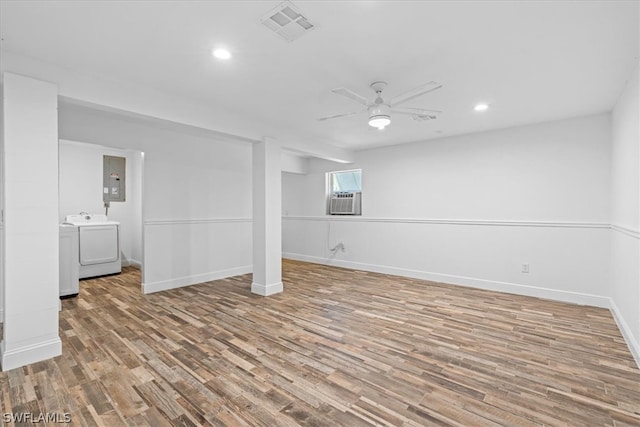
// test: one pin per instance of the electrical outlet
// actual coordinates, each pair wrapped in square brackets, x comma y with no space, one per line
[525,268]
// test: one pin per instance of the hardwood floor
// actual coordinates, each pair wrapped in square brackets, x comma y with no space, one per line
[338,347]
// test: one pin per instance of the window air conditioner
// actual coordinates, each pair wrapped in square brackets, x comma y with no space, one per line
[345,203]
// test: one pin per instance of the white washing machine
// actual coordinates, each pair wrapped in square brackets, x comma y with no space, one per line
[99,244]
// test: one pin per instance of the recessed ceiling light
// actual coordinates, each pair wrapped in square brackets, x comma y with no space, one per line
[221,54]
[481,107]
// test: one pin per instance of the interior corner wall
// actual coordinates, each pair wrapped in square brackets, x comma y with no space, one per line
[625,213]
[472,210]
[80,174]
[196,196]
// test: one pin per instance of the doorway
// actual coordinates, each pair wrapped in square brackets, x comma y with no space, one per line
[80,190]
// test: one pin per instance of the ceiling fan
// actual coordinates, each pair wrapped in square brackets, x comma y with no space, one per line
[380,110]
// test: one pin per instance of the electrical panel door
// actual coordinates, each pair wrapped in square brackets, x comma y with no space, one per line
[113,179]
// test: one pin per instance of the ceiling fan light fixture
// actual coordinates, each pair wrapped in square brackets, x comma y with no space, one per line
[379,116]
[379,110]
[379,122]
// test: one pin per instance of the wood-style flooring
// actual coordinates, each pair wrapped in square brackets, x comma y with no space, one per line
[337,348]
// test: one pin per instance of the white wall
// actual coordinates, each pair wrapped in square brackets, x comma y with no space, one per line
[471,210]
[2,206]
[30,156]
[625,213]
[80,186]
[294,163]
[136,182]
[196,196]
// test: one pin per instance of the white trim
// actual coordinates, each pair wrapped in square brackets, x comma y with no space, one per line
[626,230]
[2,271]
[266,290]
[179,282]
[632,343]
[153,222]
[128,262]
[512,288]
[142,217]
[501,223]
[134,263]
[28,354]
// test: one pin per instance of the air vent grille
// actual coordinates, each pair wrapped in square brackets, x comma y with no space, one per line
[287,21]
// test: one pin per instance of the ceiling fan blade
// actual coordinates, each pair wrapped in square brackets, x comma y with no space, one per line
[351,95]
[338,116]
[415,111]
[414,93]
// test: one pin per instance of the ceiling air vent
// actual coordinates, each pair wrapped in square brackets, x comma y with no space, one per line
[287,21]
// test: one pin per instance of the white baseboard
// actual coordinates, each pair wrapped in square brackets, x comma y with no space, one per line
[127,262]
[632,343]
[134,263]
[33,353]
[179,282]
[266,290]
[512,288]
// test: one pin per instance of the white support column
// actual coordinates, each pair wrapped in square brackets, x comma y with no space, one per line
[267,218]
[31,290]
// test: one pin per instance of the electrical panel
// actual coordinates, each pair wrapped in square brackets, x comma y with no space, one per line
[113,187]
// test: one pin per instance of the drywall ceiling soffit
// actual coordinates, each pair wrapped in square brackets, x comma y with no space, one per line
[532,61]
[174,126]
[73,107]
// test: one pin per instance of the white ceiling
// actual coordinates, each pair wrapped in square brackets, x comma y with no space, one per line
[532,61]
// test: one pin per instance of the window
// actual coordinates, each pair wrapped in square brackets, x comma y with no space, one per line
[350,181]
[344,192]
